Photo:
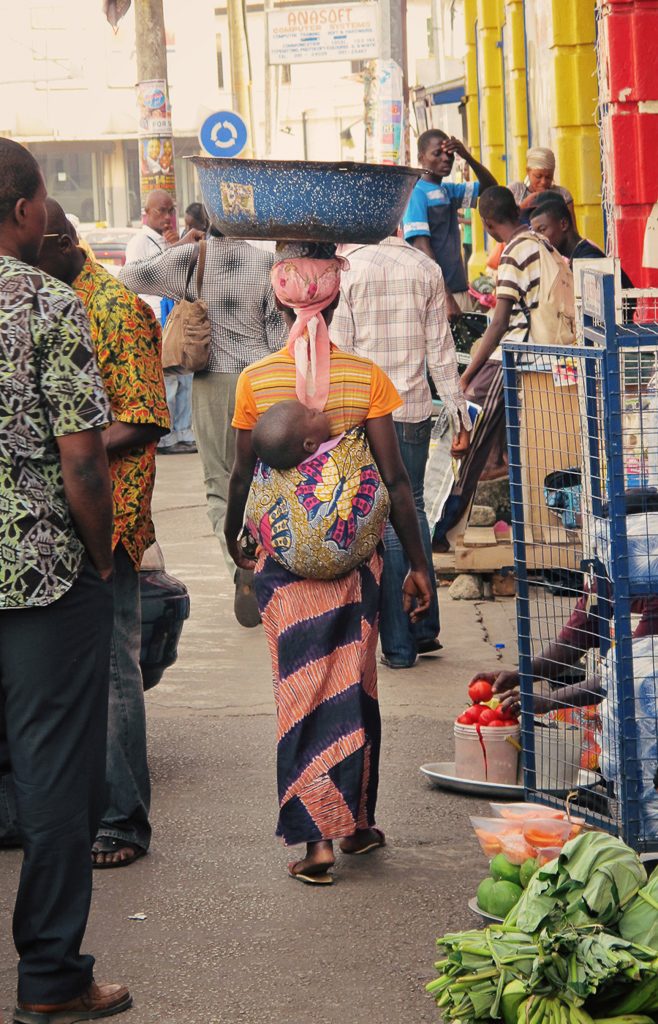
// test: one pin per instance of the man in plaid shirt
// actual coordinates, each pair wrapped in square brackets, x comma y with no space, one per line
[393,311]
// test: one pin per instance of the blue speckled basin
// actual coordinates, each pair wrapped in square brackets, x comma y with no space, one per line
[304,200]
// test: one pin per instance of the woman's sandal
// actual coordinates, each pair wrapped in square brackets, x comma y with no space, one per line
[374,845]
[307,877]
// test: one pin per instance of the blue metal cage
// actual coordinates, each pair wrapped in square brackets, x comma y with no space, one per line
[589,411]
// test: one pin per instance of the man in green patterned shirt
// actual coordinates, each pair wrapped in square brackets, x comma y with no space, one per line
[55,607]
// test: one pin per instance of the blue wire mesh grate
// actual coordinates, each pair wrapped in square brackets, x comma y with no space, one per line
[582,427]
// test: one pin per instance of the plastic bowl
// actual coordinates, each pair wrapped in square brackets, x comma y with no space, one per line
[547,832]
[304,200]
[523,811]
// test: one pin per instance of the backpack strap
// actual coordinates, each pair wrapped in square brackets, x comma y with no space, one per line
[522,304]
[201,247]
[526,312]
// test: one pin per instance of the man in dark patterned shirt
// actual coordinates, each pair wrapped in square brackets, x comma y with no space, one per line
[55,606]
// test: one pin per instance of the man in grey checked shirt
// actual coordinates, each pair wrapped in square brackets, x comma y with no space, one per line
[393,310]
[245,325]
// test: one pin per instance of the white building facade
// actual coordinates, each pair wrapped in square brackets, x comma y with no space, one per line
[67,92]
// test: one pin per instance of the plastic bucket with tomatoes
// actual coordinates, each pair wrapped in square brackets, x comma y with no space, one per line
[487,753]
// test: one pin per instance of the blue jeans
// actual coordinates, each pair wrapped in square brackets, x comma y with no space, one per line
[179,399]
[399,636]
[126,813]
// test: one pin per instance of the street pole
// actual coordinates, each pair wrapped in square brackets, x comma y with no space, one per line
[156,142]
[393,37]
[387,88]
[240,71]
[270,86]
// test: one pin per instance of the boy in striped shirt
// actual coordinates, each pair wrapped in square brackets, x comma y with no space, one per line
[517,294]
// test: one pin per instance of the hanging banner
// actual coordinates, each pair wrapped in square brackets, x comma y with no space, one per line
[154,109]
[385,113]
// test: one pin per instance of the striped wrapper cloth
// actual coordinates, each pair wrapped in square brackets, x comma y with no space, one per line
[322,636]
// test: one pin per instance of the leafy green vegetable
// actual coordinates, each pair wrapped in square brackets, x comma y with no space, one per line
[570,966]
[639,997]
[639,922]
[593,879]
[580,945]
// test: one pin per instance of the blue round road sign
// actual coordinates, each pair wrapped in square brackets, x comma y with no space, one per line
[223,134]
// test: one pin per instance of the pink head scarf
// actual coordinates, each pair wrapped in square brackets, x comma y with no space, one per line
[308,286]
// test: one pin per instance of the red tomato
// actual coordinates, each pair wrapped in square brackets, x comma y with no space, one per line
[480,691]
[498,722]
[475,711]
[464,720]
[488,716]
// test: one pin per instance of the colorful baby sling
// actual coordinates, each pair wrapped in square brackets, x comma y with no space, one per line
[324,517]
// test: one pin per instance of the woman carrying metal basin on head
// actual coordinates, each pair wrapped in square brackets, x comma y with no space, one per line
[321,624]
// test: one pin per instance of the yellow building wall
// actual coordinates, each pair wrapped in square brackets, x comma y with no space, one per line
[485,116]
[515,90]
[568,57]
[575,98]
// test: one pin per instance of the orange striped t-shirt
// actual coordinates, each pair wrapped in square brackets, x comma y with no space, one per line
[359,390]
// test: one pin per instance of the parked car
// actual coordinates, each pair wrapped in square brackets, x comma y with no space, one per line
[165,607]
[109,246]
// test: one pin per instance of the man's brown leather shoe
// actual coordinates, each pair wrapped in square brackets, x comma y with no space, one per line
[98,1001]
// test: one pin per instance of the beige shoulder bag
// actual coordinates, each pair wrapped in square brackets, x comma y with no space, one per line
[186,335]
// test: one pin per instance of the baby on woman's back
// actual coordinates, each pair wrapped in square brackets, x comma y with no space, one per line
[289,433]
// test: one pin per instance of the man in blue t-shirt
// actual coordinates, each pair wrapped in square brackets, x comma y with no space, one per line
[431,220]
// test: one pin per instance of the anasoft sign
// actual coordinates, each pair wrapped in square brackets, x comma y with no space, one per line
[300,35]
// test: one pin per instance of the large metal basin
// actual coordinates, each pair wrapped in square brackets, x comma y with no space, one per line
[290,199]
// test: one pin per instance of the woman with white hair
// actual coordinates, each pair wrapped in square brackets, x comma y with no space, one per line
[540,171]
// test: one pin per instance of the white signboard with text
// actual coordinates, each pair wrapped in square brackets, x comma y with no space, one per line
[302,35]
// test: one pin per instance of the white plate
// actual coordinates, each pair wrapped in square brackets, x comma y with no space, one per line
[477,909]
[443,774]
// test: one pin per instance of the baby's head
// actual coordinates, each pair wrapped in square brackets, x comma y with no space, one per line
[288,433]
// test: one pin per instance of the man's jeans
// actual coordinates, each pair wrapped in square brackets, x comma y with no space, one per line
[213,405]
[179,399]
[399,637]
[126,814]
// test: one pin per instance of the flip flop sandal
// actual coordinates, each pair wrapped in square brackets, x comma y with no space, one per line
[375,845]
[245,605]
[322,878]
[107,844]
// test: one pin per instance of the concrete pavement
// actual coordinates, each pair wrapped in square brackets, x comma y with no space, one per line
[227,937]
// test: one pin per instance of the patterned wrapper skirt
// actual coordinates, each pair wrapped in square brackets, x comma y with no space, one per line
[322,636]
